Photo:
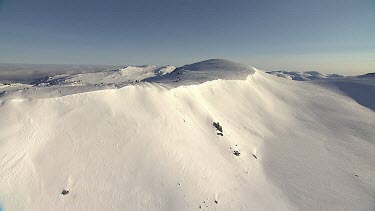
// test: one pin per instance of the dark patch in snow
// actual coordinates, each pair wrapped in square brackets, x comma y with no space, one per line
[236,153]
[255,156]
[65,192]
[218,126]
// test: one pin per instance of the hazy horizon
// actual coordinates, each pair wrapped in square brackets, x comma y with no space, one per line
[106,66]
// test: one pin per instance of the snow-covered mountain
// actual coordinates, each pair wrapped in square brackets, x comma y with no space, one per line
[119,77]
[367,75]
[204,71]
[214,135]
[72,82]
[28,73]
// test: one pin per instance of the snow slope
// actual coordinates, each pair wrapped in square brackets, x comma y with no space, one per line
[153,146]
[361,88]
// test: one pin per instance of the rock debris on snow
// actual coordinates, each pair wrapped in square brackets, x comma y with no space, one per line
[65,192]
[218,126]
[236,153]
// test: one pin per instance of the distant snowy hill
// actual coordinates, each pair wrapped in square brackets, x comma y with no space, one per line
[71,83]
[368,75]
[119,77]
[303,76]
[200,72]
[27,73]
[214,135]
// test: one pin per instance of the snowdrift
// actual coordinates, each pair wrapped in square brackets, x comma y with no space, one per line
[284,145]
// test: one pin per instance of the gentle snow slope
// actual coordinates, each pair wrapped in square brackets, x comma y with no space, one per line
[145,146]
[361,88]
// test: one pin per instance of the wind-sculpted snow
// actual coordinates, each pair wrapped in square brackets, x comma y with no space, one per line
[259,143]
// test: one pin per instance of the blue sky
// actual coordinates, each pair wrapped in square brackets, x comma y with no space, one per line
[324,35]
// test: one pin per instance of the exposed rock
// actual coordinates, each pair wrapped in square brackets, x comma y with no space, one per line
[65,192]
[218,126]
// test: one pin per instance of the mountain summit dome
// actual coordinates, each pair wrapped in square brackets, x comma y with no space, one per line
[208,70]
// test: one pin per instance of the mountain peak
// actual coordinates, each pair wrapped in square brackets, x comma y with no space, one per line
[214,64]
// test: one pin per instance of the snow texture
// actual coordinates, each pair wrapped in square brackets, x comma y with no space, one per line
[152,145]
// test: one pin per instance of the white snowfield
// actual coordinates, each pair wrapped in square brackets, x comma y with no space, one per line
[284,145]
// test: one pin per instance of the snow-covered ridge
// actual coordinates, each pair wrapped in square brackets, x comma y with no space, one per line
[141,72]
[118,77]
[367,75]
[65,84]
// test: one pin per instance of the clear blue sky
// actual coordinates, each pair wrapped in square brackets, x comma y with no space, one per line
[324,35]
